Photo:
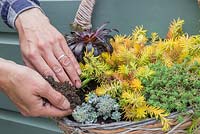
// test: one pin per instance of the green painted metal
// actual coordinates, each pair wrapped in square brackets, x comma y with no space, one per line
[13,123]
[154,15]
[60,13]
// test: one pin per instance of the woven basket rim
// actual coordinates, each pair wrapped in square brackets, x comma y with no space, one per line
[120,124]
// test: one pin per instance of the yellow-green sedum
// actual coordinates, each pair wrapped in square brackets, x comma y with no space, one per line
[126,73]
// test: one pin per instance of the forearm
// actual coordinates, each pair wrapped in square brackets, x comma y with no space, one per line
[10,9]
[5,69]
[2,73]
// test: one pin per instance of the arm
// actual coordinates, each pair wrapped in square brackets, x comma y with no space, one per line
[10,9]
[42,46]
[26,88]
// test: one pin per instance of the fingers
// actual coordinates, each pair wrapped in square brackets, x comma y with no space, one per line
[51,111]
[59,106]
[68,66]
[46,111]
[56,67]
[70,55]
[42,46]
[27,63]
[38,63]
[55,98]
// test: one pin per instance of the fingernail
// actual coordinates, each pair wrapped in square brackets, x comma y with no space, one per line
[79,72]
[66,104]
[78,83]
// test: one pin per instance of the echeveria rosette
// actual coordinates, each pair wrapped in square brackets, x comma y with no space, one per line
[90,40]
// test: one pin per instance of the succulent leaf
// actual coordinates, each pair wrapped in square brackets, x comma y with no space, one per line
[86,40]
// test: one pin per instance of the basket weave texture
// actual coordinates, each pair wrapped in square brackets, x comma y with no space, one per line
[148,126]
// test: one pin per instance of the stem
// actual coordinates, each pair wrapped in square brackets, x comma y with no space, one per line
[86,81]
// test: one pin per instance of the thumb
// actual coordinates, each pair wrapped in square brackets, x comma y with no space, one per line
[51,111]
[56,98]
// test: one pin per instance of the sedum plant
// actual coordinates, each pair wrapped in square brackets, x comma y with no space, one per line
[142,77]
[85,114]
[175,29]
[96,107]
[93,68]
[106,106]
[173,89]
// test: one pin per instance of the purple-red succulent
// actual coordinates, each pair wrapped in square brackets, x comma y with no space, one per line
[87,40]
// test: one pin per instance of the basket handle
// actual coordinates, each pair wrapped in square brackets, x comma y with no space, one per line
[84,14]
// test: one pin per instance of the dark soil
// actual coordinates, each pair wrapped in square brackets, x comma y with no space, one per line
[69,91]
[74,96]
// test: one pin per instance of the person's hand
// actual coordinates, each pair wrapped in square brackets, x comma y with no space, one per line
[45,49]
[27,90]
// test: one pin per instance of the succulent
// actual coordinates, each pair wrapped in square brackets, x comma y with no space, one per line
[106,105]
[103,106]
[85,114]
[92,98]
[147,77]
[87,40]
[116,116]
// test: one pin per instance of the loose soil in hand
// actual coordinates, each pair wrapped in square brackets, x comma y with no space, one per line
[70,92]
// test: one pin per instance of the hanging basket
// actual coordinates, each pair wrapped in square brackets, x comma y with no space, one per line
[147,126]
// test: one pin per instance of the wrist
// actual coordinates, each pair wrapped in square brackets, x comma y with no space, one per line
[12,8]
[2,73]
[30,17]
[5,70]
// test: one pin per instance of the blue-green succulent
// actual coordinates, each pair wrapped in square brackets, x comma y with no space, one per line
[85,114]
[104,107]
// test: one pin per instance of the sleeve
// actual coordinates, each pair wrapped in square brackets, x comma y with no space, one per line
[10,9]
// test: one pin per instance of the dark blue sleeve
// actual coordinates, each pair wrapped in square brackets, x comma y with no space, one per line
[10,9]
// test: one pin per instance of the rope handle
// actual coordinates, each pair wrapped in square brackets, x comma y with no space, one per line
[84,14]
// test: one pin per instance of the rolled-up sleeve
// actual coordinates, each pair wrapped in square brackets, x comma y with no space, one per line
[10,9]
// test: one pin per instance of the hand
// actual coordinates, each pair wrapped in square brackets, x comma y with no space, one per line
[27,90]
[45,49]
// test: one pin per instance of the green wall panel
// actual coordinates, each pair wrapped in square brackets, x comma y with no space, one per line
[8,127]
[14,123]
[60,13]
[11,52]
[155,15]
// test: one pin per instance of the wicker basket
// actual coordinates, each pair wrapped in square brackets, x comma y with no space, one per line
[148,126]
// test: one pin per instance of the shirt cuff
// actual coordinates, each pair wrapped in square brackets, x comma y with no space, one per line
[10,11]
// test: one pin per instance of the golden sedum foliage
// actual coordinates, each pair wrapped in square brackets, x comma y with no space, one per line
[119,74]
[172,50]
